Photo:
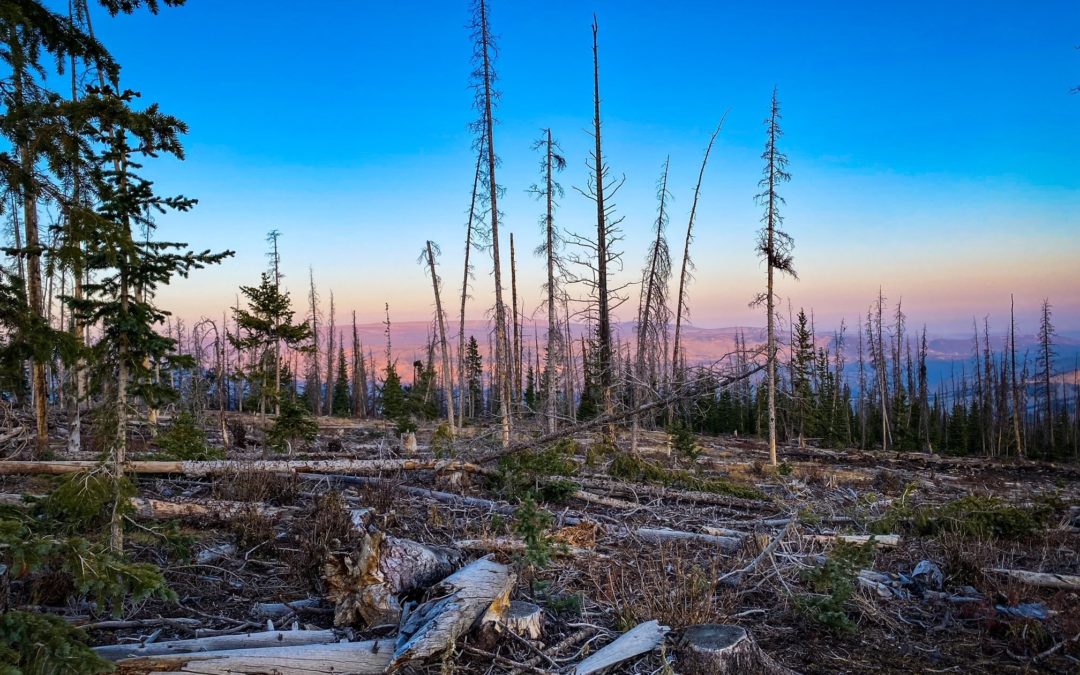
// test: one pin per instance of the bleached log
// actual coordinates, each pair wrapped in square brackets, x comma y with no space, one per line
[1041,579]
[158,509]
[640,639]
[289,638]
[885,540]
[274,610]
[659,535]
[718,649]
[203,468]
[365,585]
[514,545]
[478,591]
[356,658]
[604,500]
[216,552]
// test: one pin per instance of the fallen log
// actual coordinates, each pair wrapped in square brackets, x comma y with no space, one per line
[718,649]
[640,639]
[445,497]
[885,540]
[203,468]
[660,535]
[356,658]
[289,638]
[276,610]
[1041,579]
[672,494]
[478,591]
[514,545]
[365,585]
[158,509]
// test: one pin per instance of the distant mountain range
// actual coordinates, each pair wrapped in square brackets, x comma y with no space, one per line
[947,356]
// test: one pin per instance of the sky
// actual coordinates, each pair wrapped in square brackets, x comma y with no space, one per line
[933,146]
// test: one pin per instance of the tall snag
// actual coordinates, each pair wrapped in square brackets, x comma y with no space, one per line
[469,243]
[774,245]
[600,253]
[483,84]
[549,190]
[448,379]
[682,309]
[653,311]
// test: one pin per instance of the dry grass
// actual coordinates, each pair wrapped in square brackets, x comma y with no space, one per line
[671,583]
[258,486]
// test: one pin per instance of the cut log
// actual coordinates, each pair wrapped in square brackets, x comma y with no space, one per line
[290,638]
[356,658]
[478,591]
[640,639]
[203,468]
[365,585]
[1042,579]
[718,649]
[885,540]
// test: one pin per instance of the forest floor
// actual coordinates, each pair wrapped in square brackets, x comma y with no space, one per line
[930,603]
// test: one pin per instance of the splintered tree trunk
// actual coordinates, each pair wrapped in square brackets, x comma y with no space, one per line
[480,591]
[640,639]
[448,377]
[718,649]
[366,585]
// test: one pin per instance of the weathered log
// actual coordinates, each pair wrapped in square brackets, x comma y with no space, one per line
[364,585]
[289,638]
[356,658]
[514,545]
[718,649]
[659,535]
[885,540]
[203,468]
[501,508]
[157,509]
[667,493]
[1041,579]
[478,591]
[604,500]
[640,639]
[275,610]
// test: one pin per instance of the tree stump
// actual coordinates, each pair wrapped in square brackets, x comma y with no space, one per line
[408,442]
[718,649]
[521,618]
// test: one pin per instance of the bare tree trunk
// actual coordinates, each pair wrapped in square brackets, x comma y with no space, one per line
[602,298]
[463,385]
[517,328]
[448,376]
[1018,411]
[501,346]
[684,275]
[329,398]
[313,382]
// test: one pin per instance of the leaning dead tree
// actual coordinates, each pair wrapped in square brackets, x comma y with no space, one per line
[484,86]
[448,379]
[470,231]
[653,311]
[550,190]
[682,309]
[774,245]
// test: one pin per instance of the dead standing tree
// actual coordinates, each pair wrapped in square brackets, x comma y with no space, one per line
[600,254]
[484,85]
[430,250]
[682,309]
[653,311]
[774,245]
[470,230]
[549,191]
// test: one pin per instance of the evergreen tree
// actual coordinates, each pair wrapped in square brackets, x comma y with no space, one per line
[474,378]
[342,404]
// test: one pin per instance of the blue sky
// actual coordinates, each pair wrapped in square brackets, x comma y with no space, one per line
[933,145]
